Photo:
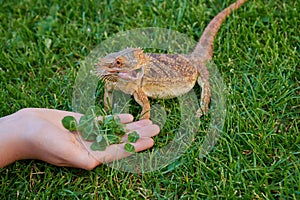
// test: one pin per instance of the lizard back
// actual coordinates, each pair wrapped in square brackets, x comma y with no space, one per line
[168,75]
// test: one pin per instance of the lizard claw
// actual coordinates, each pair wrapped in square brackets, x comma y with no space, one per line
[202,111]
[199,113]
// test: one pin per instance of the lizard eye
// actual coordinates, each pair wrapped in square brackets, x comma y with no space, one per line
[118,63]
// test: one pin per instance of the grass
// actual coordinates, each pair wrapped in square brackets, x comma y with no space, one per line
[257,52]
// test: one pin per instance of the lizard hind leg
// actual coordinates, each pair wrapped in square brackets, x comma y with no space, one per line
[205,96]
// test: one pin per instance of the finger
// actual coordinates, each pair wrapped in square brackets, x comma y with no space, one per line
[148,131]
[142,144]
[125,118]
[145,131]
[135,125]
[117,151]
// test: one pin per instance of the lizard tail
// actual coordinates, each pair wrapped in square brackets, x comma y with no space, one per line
[204,48]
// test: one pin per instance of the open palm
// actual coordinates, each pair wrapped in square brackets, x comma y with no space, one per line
[47,139]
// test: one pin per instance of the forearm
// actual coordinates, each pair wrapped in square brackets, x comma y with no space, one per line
[11,145]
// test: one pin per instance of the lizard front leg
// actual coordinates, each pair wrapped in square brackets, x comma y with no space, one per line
[142,99]
[108,97]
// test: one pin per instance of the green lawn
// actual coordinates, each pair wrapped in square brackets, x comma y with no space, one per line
[257,53]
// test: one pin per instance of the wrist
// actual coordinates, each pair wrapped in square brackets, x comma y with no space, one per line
[12,143]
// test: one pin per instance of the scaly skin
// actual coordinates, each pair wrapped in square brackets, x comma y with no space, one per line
[146,75]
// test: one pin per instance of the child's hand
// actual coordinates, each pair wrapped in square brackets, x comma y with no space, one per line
[36,133]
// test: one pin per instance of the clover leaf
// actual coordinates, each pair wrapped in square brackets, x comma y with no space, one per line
[129,148]
[103,132]
[70,123]
[133,137]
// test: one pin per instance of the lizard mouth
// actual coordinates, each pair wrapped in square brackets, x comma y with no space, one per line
[113,75]
[131,75]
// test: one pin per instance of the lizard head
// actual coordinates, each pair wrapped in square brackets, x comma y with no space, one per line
[126,65]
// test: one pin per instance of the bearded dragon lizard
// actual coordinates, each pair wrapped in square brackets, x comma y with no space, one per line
[153,75]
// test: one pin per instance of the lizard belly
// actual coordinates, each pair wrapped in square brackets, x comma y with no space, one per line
[170,90]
